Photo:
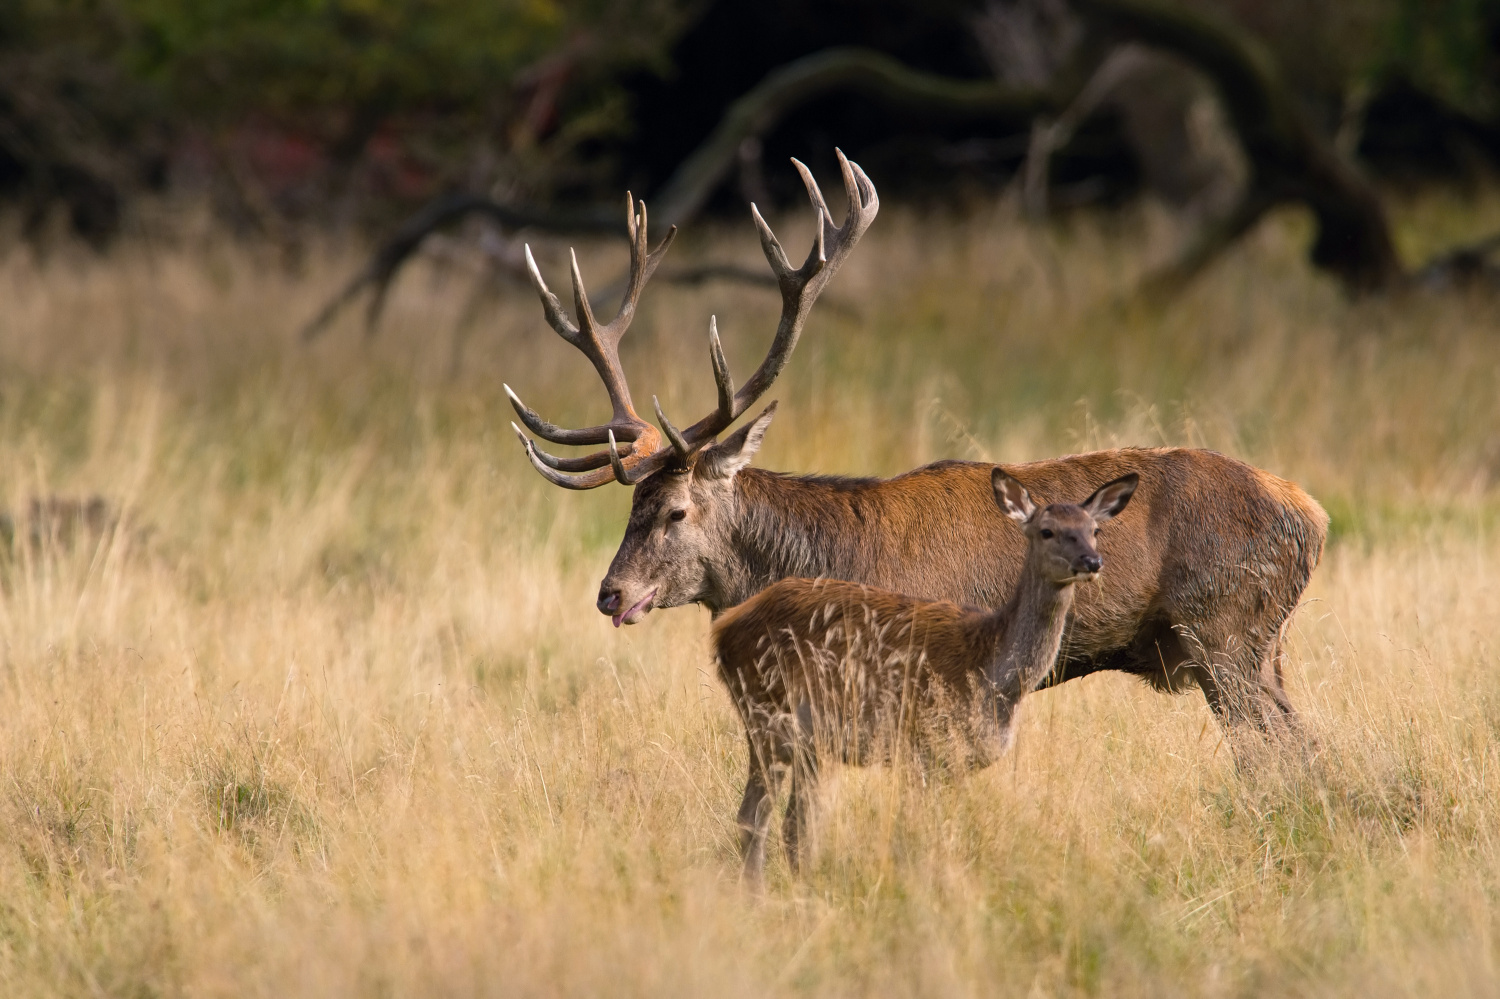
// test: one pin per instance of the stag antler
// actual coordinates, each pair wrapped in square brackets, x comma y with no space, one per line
[800,288]
[601,345]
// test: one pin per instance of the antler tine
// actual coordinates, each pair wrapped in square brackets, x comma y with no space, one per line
[673,435]
[551,307]
[585,464]
[642,263]
[800,288]
[864,203]
[600,344]
[822,225]
[622,474]
[721,370]
[589,480]
[551,431]
[814,193]
[587,325]
[775,255]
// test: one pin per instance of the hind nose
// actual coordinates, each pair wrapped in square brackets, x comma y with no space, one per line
[609,600]
[1092,563]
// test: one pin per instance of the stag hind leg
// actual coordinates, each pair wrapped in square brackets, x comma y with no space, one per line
[1242,682]
[1235,621]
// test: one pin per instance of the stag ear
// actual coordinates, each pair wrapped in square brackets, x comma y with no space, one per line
[725,459]
[1109,499]
[1012,496]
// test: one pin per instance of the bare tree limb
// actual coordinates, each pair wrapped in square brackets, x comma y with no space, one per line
[382,268]
[1469,264]
[694,181]
[1047,137]
[1216,236]
[1289,160]
[841,69]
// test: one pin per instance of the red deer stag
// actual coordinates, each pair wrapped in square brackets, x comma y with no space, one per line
[826,665]
[1209,561]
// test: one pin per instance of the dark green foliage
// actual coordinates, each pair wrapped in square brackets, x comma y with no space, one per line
[306,108]
[99,98]
[1449,48]
[291,56]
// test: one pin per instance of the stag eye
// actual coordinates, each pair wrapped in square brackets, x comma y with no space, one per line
[1046,533]
[677,515]
[1096,532]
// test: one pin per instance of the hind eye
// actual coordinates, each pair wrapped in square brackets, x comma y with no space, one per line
[1096,532]
[1046,532]
[677,515]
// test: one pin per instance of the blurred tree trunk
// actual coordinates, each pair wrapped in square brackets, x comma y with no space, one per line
[1289,160]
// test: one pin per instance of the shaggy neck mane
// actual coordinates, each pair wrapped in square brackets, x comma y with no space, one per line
[795,525]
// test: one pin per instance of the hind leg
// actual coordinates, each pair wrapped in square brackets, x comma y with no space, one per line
[804,767]
[799,807]
[1242,684]
[761,785]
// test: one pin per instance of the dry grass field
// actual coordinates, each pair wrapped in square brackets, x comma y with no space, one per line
[331,712]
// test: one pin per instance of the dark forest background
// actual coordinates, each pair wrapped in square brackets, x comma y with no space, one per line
[353,114]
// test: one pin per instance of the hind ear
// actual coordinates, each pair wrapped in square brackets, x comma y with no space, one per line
[1012,496]
[1109,499]
[724,459]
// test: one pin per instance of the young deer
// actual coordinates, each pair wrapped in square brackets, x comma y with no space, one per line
[825,664]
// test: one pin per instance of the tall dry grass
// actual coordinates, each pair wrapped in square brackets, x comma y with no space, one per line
[331,712]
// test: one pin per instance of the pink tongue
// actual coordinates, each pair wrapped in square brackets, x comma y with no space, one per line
[634,607]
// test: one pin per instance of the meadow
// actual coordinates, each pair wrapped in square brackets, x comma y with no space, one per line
[330,711]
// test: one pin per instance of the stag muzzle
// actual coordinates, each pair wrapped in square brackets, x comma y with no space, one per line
[611,599]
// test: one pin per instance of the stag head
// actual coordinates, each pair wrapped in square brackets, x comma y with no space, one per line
[683,478]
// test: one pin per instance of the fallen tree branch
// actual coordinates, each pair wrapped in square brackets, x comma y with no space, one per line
[1289,160]
[694,181]
[1464,265]
[387,260]
[1047,137]
[832,70]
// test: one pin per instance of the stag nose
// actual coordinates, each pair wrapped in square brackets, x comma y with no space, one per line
[1092,563]
[609,600]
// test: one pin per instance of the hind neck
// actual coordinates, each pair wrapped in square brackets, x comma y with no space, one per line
[1033,621]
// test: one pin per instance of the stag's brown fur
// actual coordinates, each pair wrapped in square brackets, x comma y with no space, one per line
[1207,564]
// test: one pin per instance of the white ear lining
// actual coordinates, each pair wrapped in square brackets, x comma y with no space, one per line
[1018,507]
